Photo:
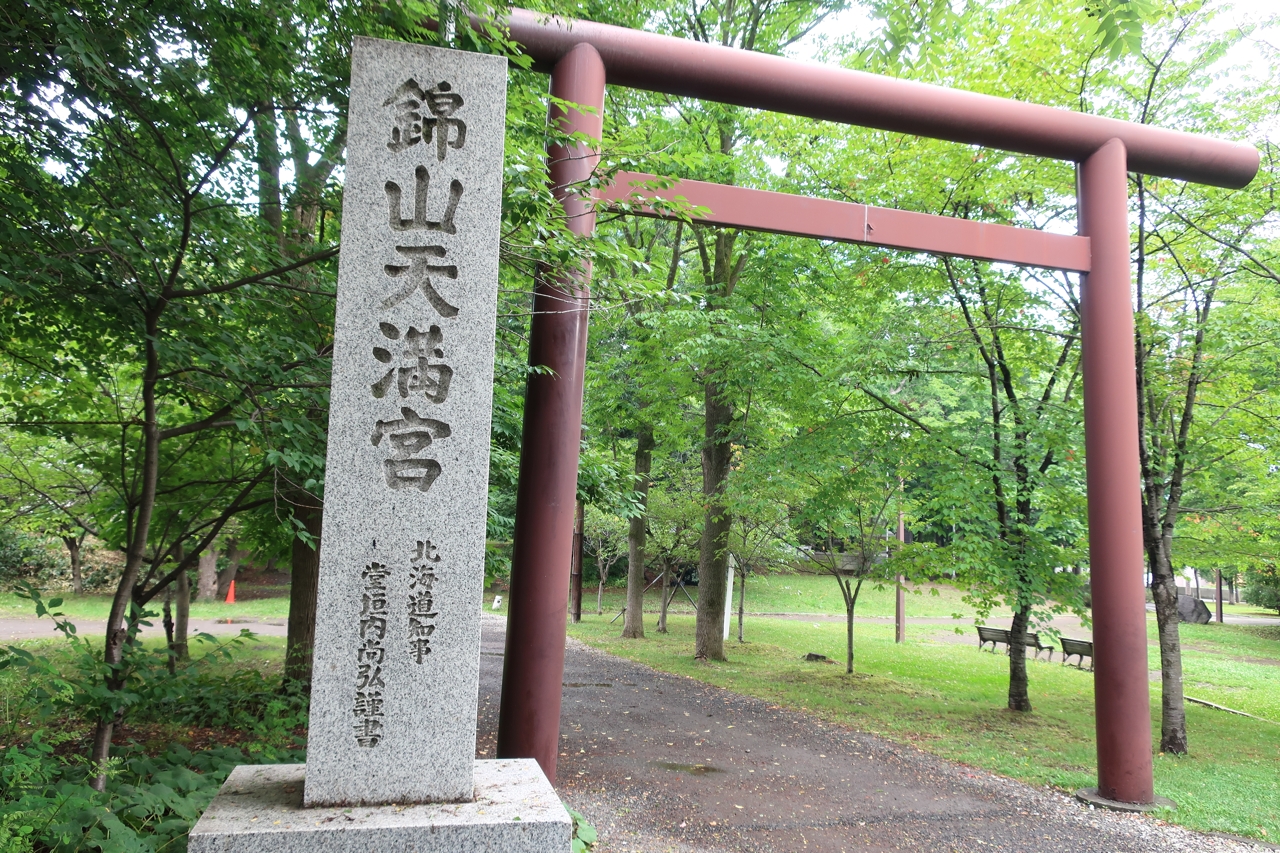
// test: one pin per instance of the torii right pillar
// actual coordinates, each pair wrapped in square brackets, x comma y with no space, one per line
[1121,690]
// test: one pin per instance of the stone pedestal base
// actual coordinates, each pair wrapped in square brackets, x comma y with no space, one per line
[259,810]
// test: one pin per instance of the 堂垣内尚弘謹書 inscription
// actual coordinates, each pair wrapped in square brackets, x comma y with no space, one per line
[371,655]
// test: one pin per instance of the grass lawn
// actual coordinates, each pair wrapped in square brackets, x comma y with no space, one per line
[98,607]
[797,593]
[771,593]
[1235,666]
[948,699]
[800,593]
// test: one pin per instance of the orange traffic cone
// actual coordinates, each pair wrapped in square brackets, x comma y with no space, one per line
[231,593]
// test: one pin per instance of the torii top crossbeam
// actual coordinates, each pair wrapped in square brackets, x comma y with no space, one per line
[747,79]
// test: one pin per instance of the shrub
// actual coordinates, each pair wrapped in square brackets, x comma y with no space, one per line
[206,690]
[27,557]
[584,834]
[1262,586]
[150,802]
[15,833]
[149,805]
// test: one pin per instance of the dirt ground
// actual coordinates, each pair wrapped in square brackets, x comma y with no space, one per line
[664,763]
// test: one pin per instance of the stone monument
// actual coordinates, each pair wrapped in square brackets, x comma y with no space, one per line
[1192,609]
[391,747]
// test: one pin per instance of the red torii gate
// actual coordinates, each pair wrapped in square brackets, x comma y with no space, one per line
[581,57]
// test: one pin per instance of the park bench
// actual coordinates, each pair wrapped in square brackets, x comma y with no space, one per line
[992,636]
[1080,648]
[1033,643]
[1001,635]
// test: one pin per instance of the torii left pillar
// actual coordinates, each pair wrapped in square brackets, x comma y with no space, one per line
[533,669]
[1121,693]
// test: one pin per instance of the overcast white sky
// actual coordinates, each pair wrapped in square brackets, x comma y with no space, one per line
[1235,13]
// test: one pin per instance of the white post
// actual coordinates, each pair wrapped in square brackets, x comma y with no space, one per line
[728,597]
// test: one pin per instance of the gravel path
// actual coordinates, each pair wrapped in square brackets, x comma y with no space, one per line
[664,763]
[13,629]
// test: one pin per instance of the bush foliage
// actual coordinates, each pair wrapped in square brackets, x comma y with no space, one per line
[150,804]
[27,557]
[1262,586]
[150,801]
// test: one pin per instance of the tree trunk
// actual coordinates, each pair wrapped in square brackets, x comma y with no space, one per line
[73,551]
[182,617]
[138,528]
[207,576]
[575,572]
[666,600]
[1157,540]
[1164,590]
[267,153]
[850,592]
[713,551]
[633,626]
[1019,700]
[304,581]
[1163,447]
[102,733]
[602,568]
[168,629]
[848,630]
[235,556]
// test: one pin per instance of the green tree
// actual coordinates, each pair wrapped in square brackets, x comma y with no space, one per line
[852,471]
[759,25]
[1200,256]
[43,491]
[979,363]
[150,317]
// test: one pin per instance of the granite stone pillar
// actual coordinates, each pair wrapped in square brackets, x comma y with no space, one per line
[392,736]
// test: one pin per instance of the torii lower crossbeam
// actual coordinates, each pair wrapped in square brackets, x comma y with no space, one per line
[848,222]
